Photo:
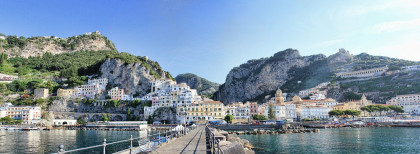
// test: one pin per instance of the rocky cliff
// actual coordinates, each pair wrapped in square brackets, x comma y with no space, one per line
[202,85]
[291,72]
[134,78]
[260,76]
[37,46]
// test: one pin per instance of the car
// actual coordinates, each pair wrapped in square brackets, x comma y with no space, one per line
[157,123]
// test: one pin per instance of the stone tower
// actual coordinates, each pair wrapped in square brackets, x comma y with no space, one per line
[279,97]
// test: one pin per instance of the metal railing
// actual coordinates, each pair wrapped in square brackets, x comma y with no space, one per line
[213,143]
[145,143]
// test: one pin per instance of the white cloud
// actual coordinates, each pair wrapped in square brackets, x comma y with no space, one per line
[394,26]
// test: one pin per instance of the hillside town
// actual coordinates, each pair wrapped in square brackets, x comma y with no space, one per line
[309,105]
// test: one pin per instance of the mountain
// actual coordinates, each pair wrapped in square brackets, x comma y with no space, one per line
[258,77]
[15,46]
[291,72]
[70,68]
[202,85]
[133,74]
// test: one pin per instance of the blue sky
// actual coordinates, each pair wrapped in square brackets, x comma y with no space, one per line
[211,37]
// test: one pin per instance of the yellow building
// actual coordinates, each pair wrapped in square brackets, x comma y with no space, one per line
[348,106]
[66,92]
[206,110]
[279,99]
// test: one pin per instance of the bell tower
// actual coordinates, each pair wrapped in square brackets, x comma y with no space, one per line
[279,97]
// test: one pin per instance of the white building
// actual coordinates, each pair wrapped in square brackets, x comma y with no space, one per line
[148,111]
[28,114]
[127,98]
[363,73]
[312,112]
[411,68]
[410,103]
[61,122]
[89,91]
[282,112]
[101,82]
[317,97]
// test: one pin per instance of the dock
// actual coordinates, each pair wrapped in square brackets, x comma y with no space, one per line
[192,143]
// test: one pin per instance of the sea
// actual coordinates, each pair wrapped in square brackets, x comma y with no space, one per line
[340,140]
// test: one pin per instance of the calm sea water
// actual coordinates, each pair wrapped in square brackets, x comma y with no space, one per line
[13,141]
[344,140]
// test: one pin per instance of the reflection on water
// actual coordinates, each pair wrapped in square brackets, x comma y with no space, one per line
[13,141]
[346,140]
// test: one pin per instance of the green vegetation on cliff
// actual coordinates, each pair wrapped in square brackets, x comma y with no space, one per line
[195,82]
[366,61]
[402,83]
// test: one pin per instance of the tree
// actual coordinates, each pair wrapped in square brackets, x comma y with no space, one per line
[74,81]
[335,113]
[397,109]
[229,118]
[150,120]
[271,114]
[259,117]
[3,87]
[128,114]
[105,117]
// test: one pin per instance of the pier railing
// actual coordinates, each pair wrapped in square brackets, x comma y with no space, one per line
[145,143]
[214,143]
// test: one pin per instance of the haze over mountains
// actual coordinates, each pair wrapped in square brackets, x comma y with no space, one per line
[251,81]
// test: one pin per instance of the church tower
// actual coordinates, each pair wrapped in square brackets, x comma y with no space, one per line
[364,101]
[279,97]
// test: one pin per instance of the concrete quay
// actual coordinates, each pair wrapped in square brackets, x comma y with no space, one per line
[192,143]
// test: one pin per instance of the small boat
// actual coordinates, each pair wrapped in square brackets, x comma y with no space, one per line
[29,128]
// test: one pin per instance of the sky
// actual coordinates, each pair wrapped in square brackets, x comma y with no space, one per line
[209,38]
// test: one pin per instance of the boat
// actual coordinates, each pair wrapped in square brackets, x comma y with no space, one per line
[30,128]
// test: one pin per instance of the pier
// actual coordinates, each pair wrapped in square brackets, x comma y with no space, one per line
[193,142]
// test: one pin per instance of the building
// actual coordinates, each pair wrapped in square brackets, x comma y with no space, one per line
[314,90]
[410,103]
[127,98]
[253,107]
[279,99]
[41,93]
[61,122]
[313,112]
[317,97]
[28,114]
[205,111]
[363,73]
[89,91]
[241,112]
[66,92]
[149,111]
[347,106]
[101,82]
[411,68]
[116,93]
[282,112]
